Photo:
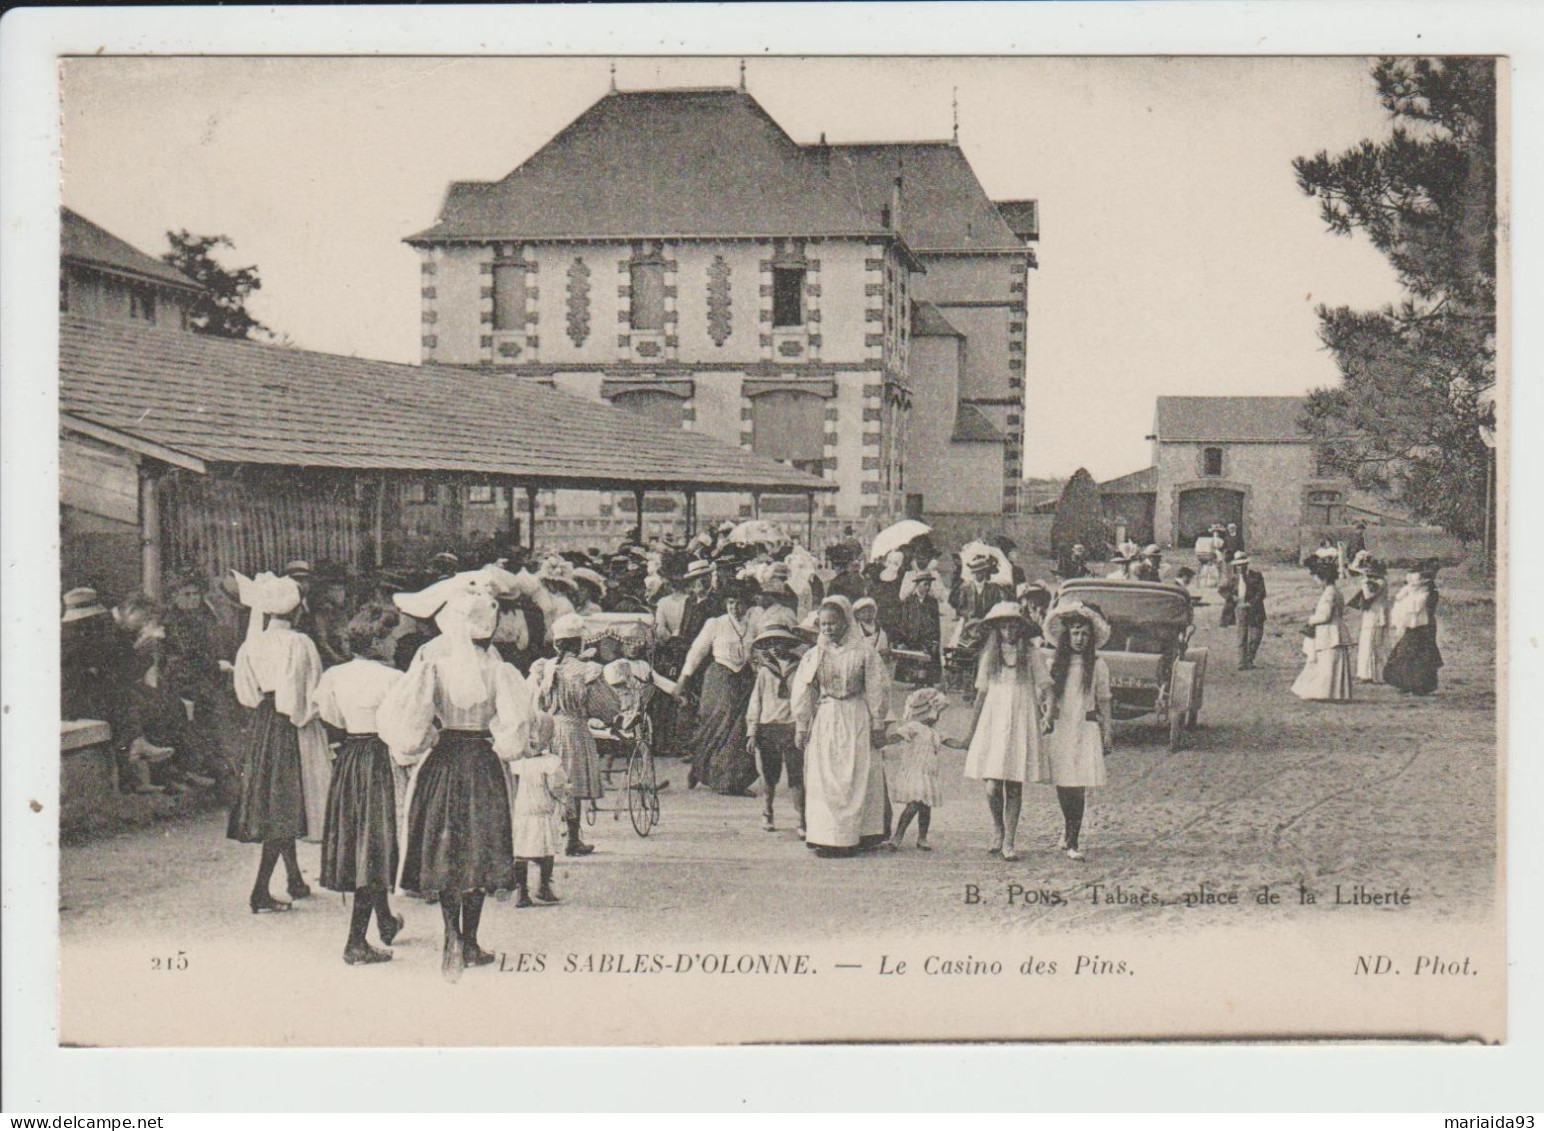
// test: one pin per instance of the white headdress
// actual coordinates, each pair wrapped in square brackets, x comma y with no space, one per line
[464,610]
[266,595]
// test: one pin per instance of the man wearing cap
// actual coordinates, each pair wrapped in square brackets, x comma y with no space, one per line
[1251,610]
[849,581]
[919,627]
[1150,567]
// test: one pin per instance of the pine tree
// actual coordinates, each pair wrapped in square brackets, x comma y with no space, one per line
[220,308]
[1079,516]
[1417,378]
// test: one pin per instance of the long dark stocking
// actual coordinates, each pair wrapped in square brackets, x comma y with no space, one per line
[1071,799]
[382,906]
[471,915]
[359,917]
[291,861]
[265,866]
[545,864]
[924,819]
[522,874]
[450,911]
[904,822]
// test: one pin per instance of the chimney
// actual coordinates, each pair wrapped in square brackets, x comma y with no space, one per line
[894,209]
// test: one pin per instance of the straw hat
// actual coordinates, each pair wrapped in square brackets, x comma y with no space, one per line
[297,567]
[701,567]
[569,626]
[1240,557]
[1003,610]
[1056,622]
[981,561]
[926,703]
[590,577]
[81,603]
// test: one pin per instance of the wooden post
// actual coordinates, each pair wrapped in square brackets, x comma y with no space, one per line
[149,533]
[809,522]
[755,504]
[530,512]
[513,511]
[691,513]
[638,514]
[379,520]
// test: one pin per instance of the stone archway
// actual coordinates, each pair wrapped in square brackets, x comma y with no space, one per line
[1198,503]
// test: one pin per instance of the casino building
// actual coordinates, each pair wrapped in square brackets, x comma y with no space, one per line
[854,310]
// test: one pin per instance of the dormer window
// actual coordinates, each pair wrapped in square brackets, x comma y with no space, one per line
[1211,462]
[142,304]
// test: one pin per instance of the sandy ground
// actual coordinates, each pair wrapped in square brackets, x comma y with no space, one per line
[1389,792]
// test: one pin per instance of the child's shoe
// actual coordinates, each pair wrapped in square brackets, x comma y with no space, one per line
[523,897]
[545,894]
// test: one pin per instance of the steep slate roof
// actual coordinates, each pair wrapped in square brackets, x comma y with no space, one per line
[943,206]
[1231,419]
[659,163]
[81,241]
[1022,216]
[226,401]
[972,426]
[1137,483]
[927,321]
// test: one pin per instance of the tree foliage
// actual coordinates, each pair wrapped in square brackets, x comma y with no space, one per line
[1417,377]
[221,307]
[1079,516]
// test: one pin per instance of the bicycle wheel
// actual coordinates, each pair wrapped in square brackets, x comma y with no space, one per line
[642,792]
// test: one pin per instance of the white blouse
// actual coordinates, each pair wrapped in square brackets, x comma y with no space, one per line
[281,662]
[669,615]
[727,642]
[851,670]
[349,694]
[406,718]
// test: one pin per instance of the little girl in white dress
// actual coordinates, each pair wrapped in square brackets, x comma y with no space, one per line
[916,783]
[1080,719]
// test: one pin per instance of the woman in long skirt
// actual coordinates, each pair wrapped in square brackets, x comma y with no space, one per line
[1372,599]
[458,714]
[1005,740]
[1081,718]
[1326,674]
[839,695]
[722,651]
[359,841]
[275,673]
[1413,664]
[573,692]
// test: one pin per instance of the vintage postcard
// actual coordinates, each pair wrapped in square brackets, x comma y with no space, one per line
[702,550]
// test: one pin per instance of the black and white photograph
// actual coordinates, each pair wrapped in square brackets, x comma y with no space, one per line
[718,550]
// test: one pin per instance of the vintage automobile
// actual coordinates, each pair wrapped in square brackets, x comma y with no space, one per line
[1153,669]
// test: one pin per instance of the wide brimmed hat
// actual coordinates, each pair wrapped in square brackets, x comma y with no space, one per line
[297,567]
[1003,611]
[1057,620]
[926,703]
[590,577]
[1240,557]
[569,626]
[978,562]
[701,567]
[773,633]
[1151,550]
[80,603]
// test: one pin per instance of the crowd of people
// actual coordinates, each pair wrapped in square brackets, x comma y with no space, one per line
[432,730]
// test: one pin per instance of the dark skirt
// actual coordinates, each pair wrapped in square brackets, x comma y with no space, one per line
[272,802]
[1412,665]
[458,829]
[722,761]
[359,842]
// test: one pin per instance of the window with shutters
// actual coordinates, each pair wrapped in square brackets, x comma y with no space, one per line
[791,427]
[509,295]
[142,304]
[646,277]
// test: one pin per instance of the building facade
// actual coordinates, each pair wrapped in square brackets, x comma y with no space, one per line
[678,254]
[1243,460]
[103,277]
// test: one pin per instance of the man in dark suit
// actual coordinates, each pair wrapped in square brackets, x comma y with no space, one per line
[1251,610]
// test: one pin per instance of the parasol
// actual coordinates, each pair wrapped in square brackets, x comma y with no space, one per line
[894,537]
[758,531]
